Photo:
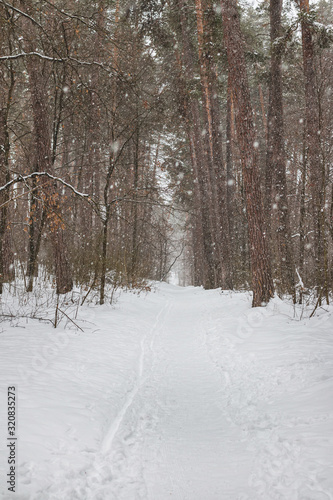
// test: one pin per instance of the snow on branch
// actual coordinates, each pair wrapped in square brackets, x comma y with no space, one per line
[23,178]
[300,283]
[56,59]
[323,27]
[24,54]
[323,31]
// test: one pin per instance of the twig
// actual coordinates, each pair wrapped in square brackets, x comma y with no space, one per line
[91,287]
[173,263]
[70,319]
[15,316]
[317,304]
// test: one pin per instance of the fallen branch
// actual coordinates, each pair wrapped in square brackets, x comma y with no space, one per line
[70,319]
[15,316]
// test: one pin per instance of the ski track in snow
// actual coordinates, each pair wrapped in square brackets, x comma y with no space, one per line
[141,379]
[192,404]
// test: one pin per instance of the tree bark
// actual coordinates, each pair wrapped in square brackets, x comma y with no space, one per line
[7,272]
[43,154]
[313,141]
[275,158]
[262,282]
[191,114]
[6,256]
[213,139]
[230,191]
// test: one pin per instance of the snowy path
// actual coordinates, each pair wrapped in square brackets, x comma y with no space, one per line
[188,450]
[199,451]
[182,394]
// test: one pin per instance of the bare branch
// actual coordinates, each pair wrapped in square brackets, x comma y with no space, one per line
[23,178]
[56,59]
[24,54]
[18,11]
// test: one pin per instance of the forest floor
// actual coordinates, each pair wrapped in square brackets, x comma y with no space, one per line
[179,393]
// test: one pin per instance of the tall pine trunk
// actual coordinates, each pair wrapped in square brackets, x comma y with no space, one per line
[275,158]
[262,283]
[191,114]
[213,136]
[313,150]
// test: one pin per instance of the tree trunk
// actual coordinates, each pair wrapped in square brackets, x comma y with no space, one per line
[213,139]
[6,257]
[230,192]
[197,223]
[262,282]
[191,114]
[43,163]
[7,272]
[104,255]
[275,158]
[302,213]
[313,140]
[135,243]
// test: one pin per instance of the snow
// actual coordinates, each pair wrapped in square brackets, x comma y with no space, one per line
[180,393]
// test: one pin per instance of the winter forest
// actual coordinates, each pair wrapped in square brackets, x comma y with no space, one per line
[166,249]
[138,134]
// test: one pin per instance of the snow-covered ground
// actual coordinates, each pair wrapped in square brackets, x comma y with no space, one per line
[181,393]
